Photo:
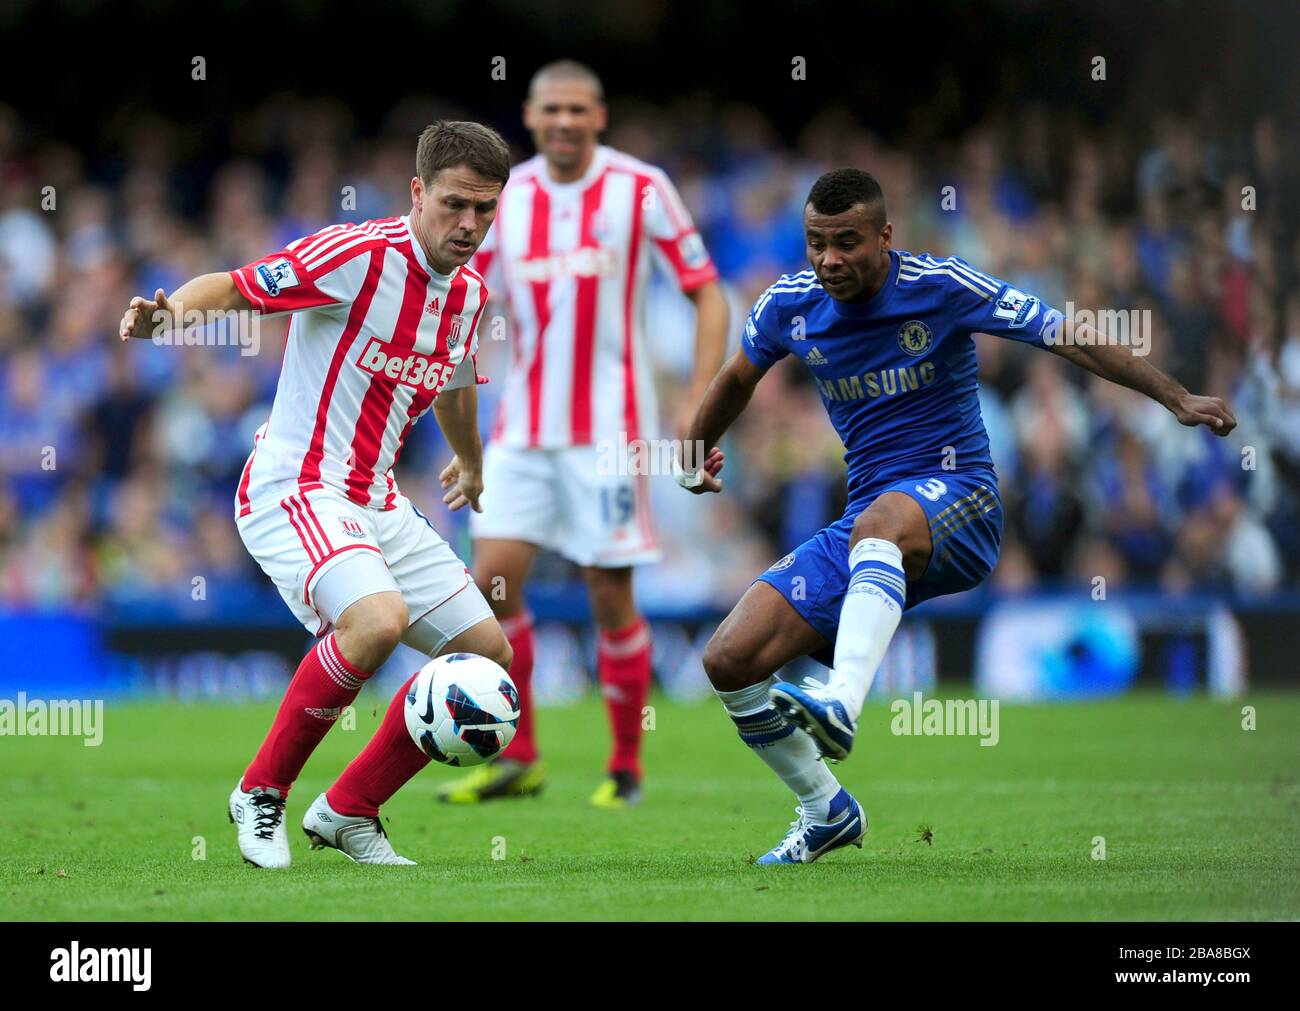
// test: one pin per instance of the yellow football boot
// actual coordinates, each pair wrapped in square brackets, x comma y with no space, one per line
[502,778]
[620,790]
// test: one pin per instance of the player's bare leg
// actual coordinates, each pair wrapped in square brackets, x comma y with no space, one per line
[488,639]
[762,634]
[624,668]
[501,569]
[369,630]
[889,545]
[327,681]
[346,816]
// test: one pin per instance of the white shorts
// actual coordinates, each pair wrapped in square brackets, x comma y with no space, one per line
[568,501]
[306,537]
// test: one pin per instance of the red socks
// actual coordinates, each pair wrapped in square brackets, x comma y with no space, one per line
[624,667]
[383,767]
[323,686]
[325,683]
[519,631]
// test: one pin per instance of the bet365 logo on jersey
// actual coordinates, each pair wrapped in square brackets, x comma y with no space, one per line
[411,368]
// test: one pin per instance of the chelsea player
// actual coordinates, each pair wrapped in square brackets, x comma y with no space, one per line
[887,337]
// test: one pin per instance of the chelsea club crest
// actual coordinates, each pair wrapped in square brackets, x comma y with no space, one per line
[914,337]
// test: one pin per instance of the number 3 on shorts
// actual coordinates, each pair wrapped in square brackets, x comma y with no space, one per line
[933,489]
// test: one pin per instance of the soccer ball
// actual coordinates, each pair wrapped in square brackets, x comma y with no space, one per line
[462,709]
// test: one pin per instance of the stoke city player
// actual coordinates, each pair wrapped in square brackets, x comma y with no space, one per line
[385,324]
[580,229]
[887,337]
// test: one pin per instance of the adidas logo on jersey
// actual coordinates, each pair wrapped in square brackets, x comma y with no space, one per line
[815,357]
[453,331]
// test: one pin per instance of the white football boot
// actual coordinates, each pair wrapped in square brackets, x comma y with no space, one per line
[259,820]
[358,838]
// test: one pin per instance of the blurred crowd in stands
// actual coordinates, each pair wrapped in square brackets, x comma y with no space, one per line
[118,464]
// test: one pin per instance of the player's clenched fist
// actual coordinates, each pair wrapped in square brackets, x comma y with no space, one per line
[463,487]
[138,319]
[706,478]
[1212,412]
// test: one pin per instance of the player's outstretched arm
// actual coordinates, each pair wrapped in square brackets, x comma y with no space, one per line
[723,402]
[711,320]
[1115,362]
[145,317]
[462,479]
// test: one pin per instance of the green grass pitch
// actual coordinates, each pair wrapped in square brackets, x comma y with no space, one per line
[1200,820]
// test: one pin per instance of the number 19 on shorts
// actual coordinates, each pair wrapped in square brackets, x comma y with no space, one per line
[616,505]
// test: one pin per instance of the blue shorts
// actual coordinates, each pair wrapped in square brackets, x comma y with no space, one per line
[965,515]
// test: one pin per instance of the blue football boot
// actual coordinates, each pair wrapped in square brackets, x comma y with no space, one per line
[819,714]
[805,842]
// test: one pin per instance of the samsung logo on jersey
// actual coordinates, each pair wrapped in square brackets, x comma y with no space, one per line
[886,382]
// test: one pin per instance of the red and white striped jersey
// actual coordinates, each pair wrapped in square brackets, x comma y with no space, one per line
[572,261]
[376,334]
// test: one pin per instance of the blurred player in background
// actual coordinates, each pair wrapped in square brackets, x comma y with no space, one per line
[887,338]
[579,231]
[385,325]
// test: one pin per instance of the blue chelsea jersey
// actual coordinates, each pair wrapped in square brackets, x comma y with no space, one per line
[897,373]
